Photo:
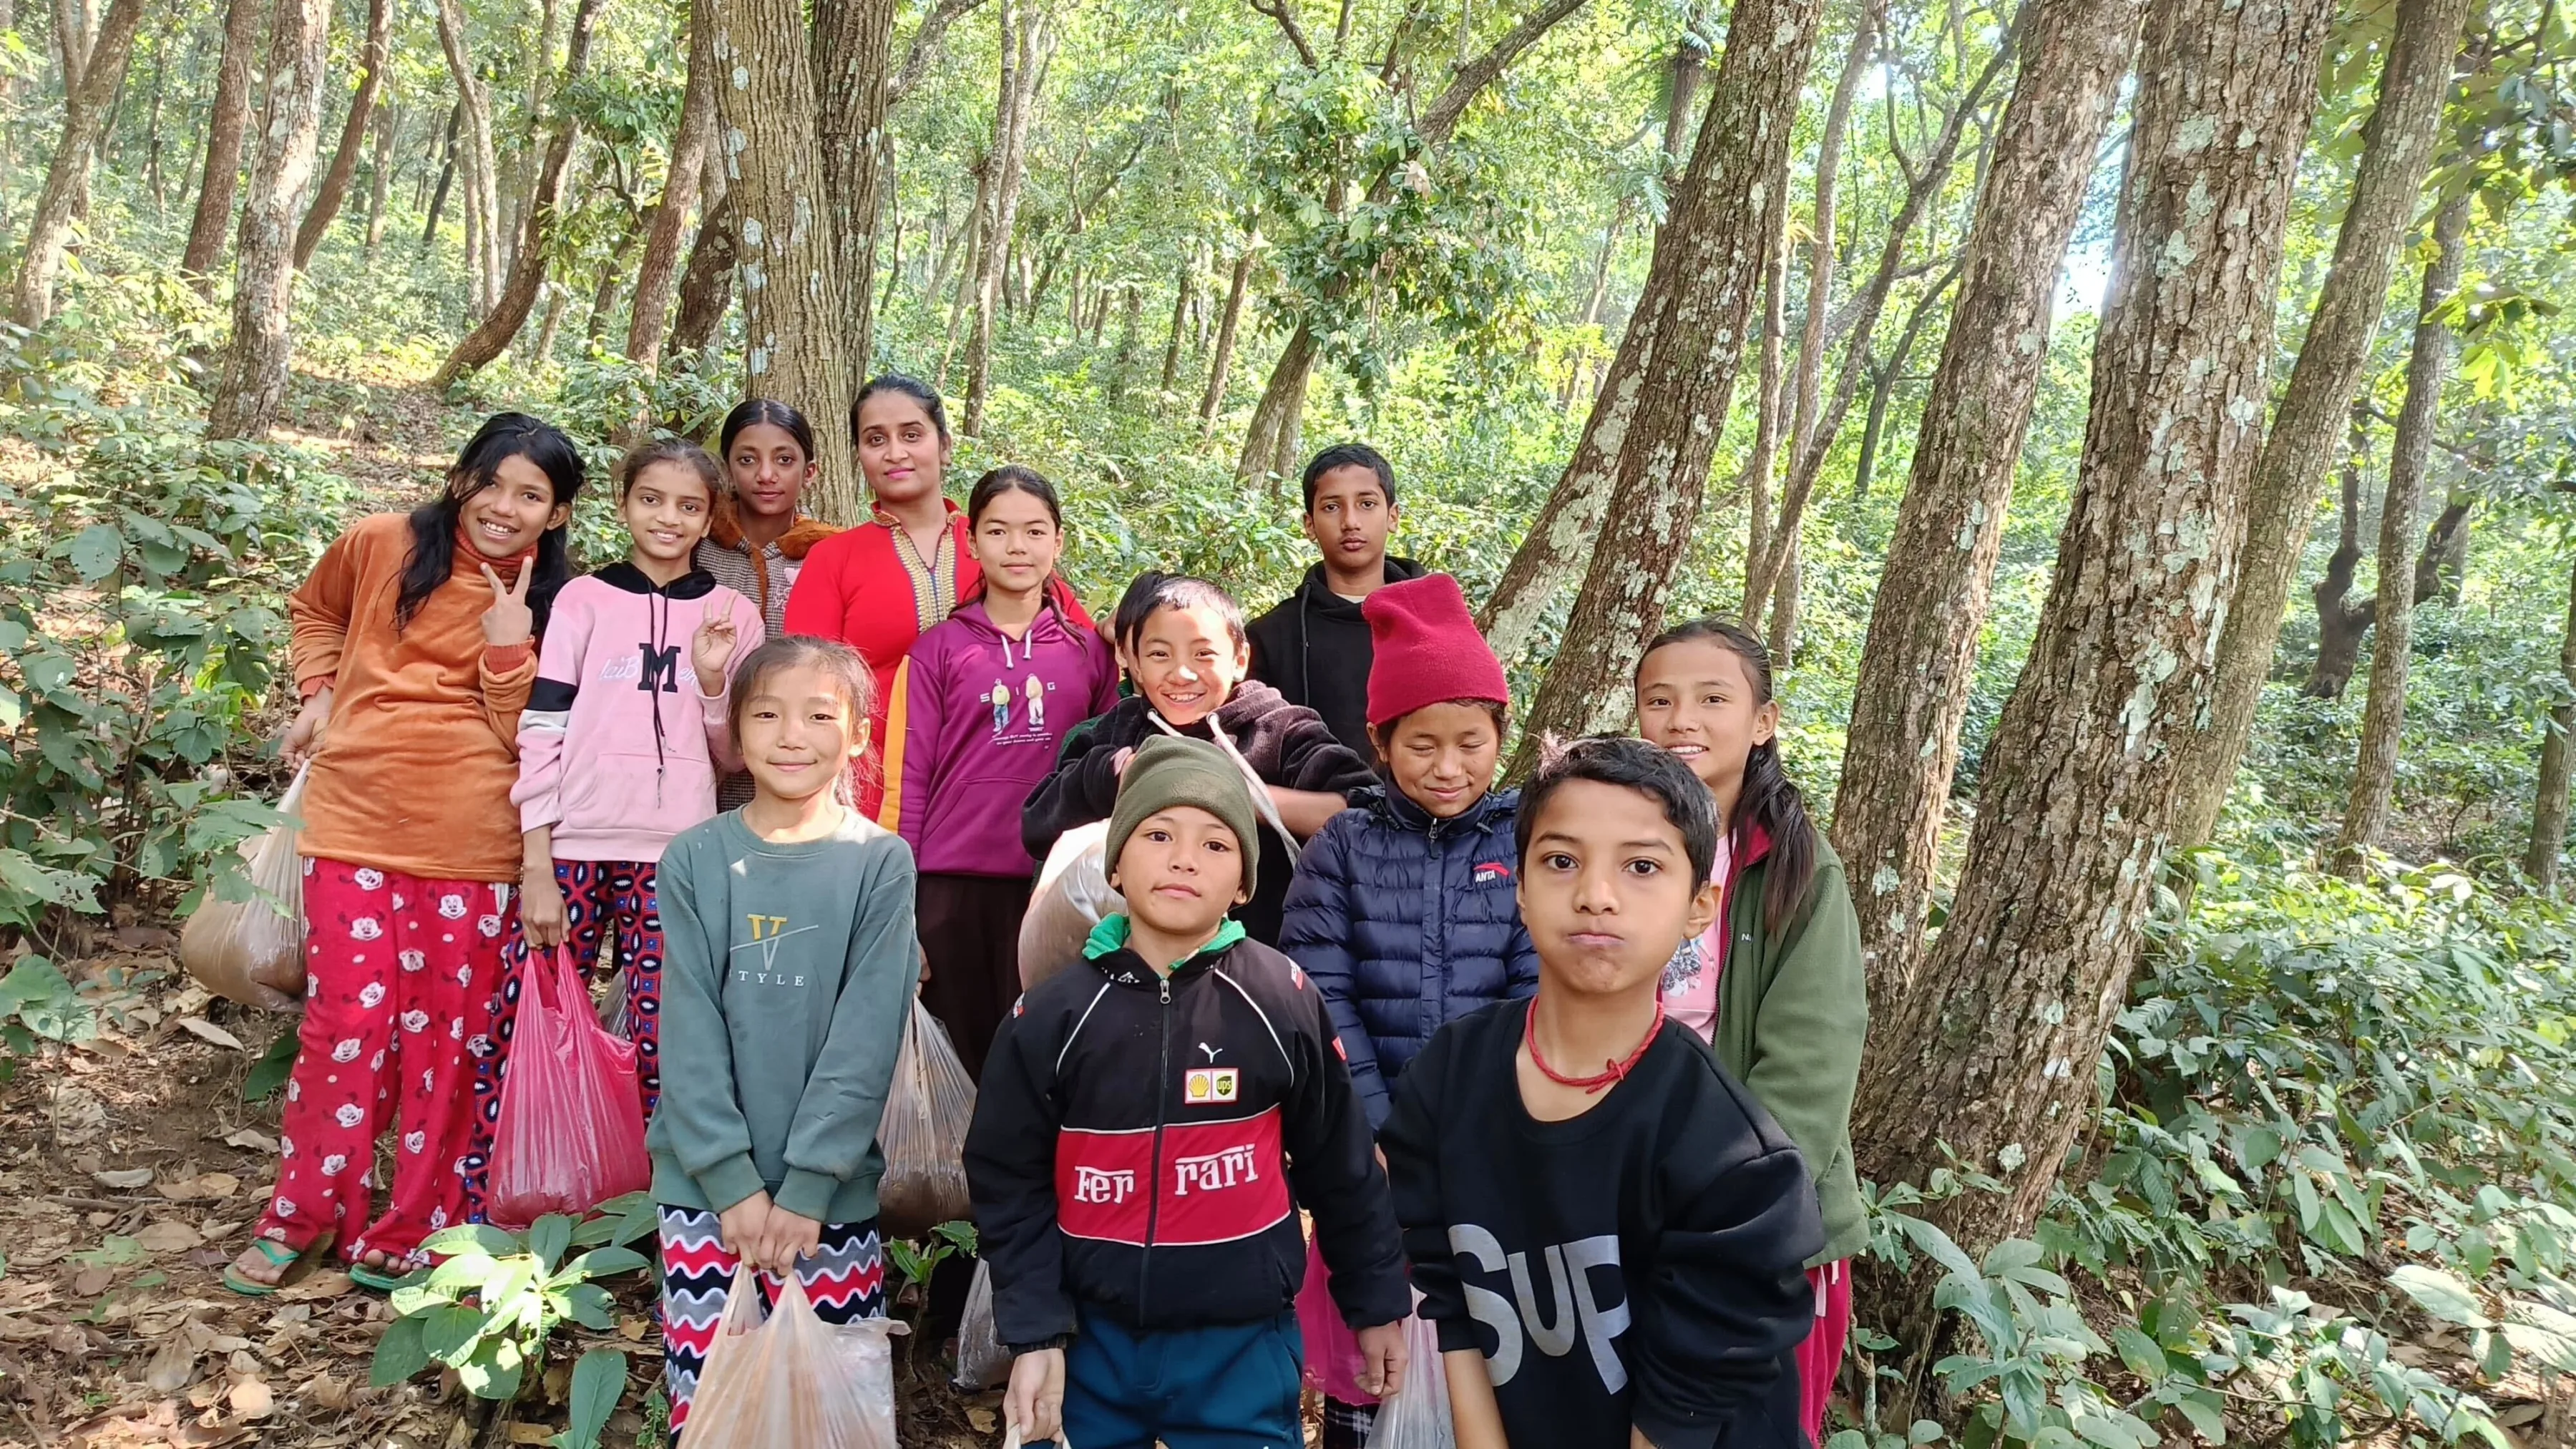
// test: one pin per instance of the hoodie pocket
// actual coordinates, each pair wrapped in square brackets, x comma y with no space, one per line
[636,794]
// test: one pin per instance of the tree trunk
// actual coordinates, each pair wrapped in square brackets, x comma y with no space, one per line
[1182,288]
[1763,554]
[2410,452]
[528,261]
[853,42]
[1919,655]
[380,179]
[1815,438]
[1027,42]
[2397,151]
[1645,450]
[1993,1055]
[973,266]
[75,35]
[706,288]
[2557,762]
[658,276]
[1223,360]
[353,135]
[252,388]
[50,225]
[1123,365]
[1767,407]
[793,295]
[2341,626]
[482,168]
[1690,64]
[1270,442]
[446,178]
[2445,559]
[611,289]
[558,300]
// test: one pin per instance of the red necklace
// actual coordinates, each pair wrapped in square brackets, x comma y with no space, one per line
[1618,1071]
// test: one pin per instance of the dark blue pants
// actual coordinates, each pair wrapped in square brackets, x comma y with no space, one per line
[1198,1388]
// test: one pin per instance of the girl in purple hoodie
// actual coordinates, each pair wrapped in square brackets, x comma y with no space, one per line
[980,707]
[620,748]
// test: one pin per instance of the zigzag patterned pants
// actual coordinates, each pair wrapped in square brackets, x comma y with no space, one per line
[845,1280]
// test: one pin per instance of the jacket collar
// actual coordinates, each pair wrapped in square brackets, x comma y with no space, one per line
[1317,594]
[625,577]
[1107,950]
[1753,843]
[1405,811]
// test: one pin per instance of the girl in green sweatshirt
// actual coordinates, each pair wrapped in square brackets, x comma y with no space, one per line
[1775,983]
[788,967]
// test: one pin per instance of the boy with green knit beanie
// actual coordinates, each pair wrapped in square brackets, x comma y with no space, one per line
[1144,1136]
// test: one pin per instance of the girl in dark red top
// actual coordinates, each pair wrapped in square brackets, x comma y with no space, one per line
[879,586]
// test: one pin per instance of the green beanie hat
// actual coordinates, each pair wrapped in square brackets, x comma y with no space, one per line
[1168,770]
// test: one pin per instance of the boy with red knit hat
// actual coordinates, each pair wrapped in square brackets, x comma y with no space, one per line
[1403,909]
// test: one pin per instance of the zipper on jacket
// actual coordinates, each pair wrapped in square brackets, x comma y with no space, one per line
[1154,1198]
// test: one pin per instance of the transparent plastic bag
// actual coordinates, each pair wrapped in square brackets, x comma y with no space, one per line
[1072,896]
[786,1382]
[252,951]
[571,1129]
[923,1133]
[982,1362]
[1417,1418]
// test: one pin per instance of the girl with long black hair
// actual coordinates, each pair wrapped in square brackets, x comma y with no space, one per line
[1775,983]
[414,648]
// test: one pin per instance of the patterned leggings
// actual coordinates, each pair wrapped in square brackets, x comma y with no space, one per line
[606,903]
[845,1280]
[400,973]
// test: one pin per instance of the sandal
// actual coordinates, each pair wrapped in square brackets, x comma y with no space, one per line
[279,1256]
[383,1279]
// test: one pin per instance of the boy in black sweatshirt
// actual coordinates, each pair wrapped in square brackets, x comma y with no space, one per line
[1609,1231]
[1313,646]
[1144,1136]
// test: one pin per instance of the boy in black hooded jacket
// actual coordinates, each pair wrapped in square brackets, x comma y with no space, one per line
[1144,1136]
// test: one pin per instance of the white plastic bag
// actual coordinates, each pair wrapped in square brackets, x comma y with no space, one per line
[923,1132]
[1072,896]
[786,1382]
[252,951]
[865,1349]
[1417,1418]
[982,1362]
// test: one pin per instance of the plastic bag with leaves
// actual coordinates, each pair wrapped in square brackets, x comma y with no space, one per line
[982,1362]
[1072,896]
[923,1133]
[252,951]
[1418,1417]
[792,1381]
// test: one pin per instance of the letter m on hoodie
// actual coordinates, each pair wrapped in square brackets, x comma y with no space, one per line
[661,669]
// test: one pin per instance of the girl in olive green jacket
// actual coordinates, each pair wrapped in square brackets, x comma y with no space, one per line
[1775,984]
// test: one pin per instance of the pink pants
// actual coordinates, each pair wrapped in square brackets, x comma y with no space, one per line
[1822,1354]
[400,974]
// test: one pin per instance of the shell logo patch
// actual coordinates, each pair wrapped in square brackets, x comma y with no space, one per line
[1209,1086]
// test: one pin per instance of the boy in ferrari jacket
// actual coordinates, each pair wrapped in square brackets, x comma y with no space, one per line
[1145,1134]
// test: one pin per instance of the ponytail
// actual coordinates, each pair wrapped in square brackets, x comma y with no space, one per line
[1769,801]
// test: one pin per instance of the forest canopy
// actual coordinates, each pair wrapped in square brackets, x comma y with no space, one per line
[2143,433]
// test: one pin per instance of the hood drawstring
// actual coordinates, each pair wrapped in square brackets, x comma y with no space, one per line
[661,635]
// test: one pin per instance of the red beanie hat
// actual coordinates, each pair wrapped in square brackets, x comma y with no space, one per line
[1427,650]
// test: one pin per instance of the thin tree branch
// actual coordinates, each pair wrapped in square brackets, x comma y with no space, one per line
[1278,10]
[925,46]
[1475,75]
[2461,451]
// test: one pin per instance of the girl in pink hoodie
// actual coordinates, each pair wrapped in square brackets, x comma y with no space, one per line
[620,748]
[981,705]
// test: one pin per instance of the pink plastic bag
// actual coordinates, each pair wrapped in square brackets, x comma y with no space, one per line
[1332,1350]
[571,1132]
[794,1381]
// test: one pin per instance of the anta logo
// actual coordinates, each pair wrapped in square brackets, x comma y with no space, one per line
[1572,1314]
[1492,871]
[1205,1085]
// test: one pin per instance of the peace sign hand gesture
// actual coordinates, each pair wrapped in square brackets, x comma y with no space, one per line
[509,620]
[711,649]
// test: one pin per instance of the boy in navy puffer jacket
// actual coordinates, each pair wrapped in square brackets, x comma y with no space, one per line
[1403,910]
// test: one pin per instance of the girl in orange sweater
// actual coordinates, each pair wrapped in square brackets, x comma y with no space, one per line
[414,647]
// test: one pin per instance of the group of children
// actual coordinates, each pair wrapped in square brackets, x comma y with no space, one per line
[1569,1067]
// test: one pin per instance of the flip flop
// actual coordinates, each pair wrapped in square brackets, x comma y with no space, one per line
[383,1280]
[279,1256]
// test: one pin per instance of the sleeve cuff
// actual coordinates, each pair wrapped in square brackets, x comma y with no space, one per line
[1457,1335]
[1061,1340]
[806,1194]
[730,1181]
[504,658]
[307,688]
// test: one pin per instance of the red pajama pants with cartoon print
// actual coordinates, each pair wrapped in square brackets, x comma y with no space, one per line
[400,974]
[610,911]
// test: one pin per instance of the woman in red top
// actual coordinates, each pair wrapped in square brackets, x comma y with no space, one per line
[878,586]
